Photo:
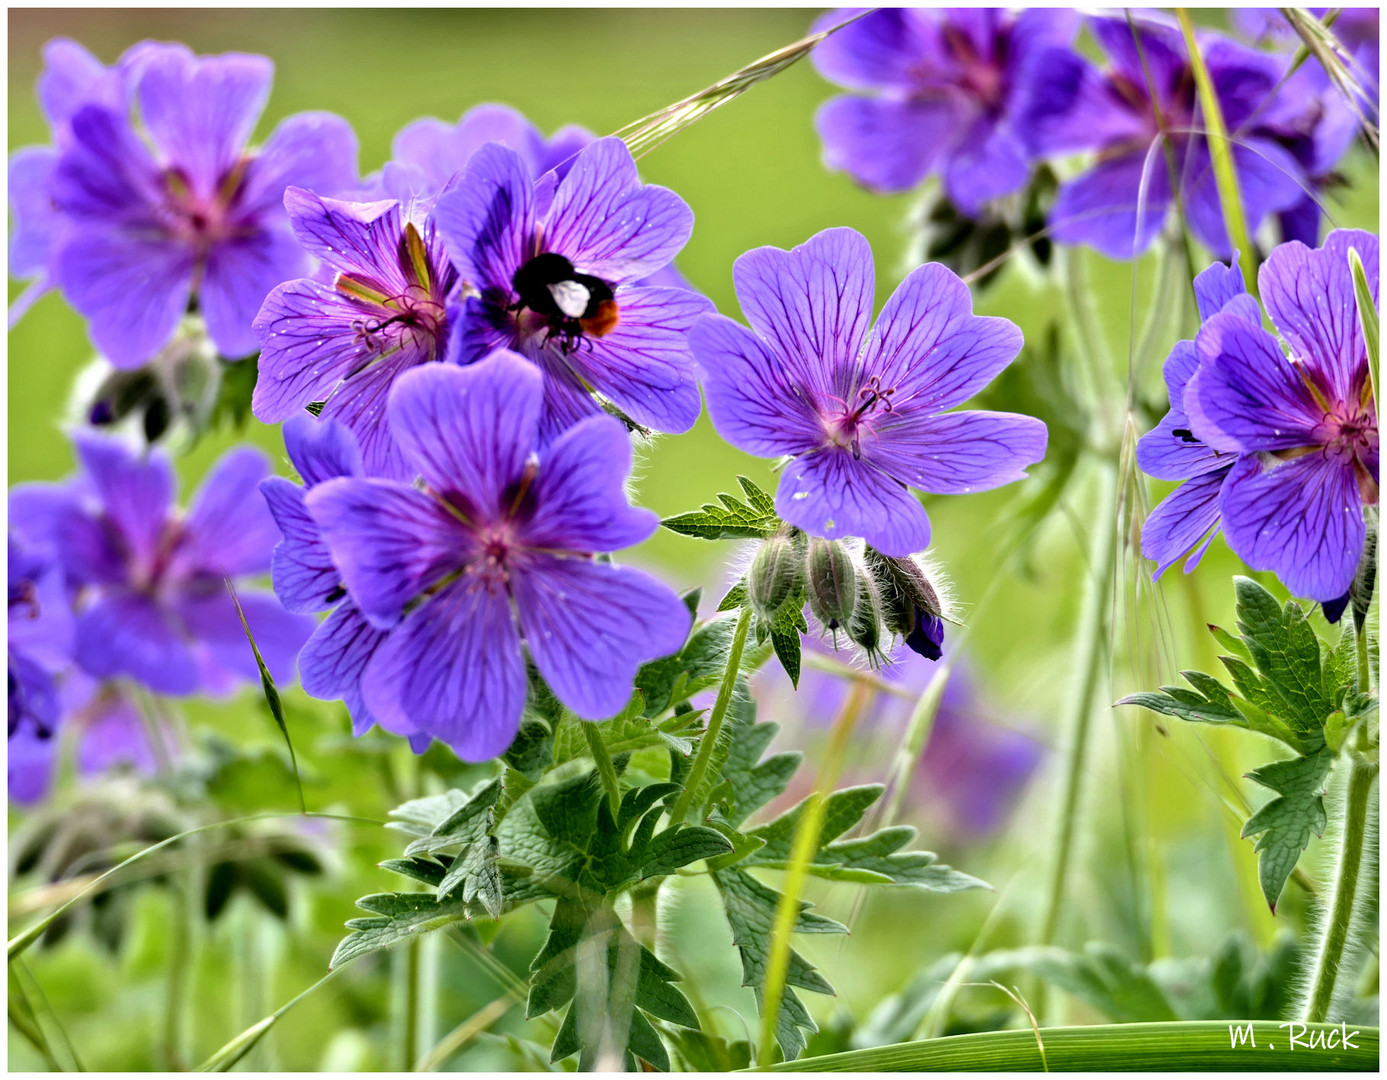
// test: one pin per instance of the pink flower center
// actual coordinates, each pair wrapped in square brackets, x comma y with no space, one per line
[844,427]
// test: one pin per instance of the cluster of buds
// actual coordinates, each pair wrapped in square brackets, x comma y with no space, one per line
[851,589]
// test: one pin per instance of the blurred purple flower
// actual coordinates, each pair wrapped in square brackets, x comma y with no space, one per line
[948,87]
[861,411]
[972,771]
[1141,114]
[305,579]
[497,545]
[151,599]
[151,215]
[346,341]
[553,268]
[1186,521]
[1358,30]
[1304,427]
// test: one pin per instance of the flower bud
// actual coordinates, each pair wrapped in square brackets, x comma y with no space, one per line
[911,604]
[865,625]
[832,582]
[774,575]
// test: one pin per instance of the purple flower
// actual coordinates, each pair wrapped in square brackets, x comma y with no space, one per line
[947,88]
[1304,426]
[1186,521]
[152,215]
[304,576]
[496,549]
[861,411]
[151,600]
[346,341]
[553,269]
[1141,114]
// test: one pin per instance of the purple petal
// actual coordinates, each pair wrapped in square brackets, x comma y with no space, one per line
[389,541]
[133,292]
[308,347]
[928,344]
[126,633]
[880,50]
[73,77]
[643,366]
[35,219]
[333,661]
[442,150]
[990,162]
[107,174]
[468,430]
[589,626]
[210,616]
[1184,522]
[200,111]
[1099,208]
[229,529]
[1215,288]
[1302,519]
[321,449]
[812,305]
[88,548]
[361,405]
[1309,295]
[238,276]
[1072,106]
[313,150]
[567,400]
[487,219]
[1143,52]
[960,452]
[579,495]
[31,761]
[831,494]
[351,237]
[136,491]
[452,669]
[114,735]
[610,224]
[750,402]
[887,146]
[1269,179]
[1246,395]
[1167,456]
[301,567]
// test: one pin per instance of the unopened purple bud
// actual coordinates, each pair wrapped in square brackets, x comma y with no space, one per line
[907,596]
[927,638]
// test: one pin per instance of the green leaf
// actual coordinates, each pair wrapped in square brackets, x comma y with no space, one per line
[1286,652]
[785,634]
[625,733]
[871,860]
[1100,976]
[1284,824]
[733,520]
[700,1052]
[754,782]
[697,666]
[468,833]
[624,985]
[750,907]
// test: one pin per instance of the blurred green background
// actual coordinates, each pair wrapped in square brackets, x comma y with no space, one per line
[1160,873]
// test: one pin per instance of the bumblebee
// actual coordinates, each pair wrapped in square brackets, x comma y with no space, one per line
[576,305]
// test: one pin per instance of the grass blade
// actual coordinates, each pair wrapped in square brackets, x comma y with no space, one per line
[1326,48]
[1367,316]
[267,684]
[648,132]
[1221,154]
[1199,1045]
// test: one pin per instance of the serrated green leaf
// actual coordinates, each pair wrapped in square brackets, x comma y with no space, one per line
[1287,654]
[1100,976]
[733,520]
[735,598]
[628,731]
[1284,824]
[785,634]
[1232,644]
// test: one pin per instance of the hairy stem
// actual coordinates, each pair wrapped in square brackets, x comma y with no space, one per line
[1339,914]
[806,843]
[1089,651]
[644,898]
[709,742]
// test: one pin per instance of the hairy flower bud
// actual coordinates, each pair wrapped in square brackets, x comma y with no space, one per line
[775,575]
[910,602]
[865,624]
[832,580]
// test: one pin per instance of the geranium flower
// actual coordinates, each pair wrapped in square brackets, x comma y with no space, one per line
[177,207]
[149,582]
[947,87]
[555,266]
[861,411]
[1186,521]
[304,577]
[344,342]
[1148,92]
[1304,426]
[496,549]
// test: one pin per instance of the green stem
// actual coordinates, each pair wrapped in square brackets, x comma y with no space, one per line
[1088,663]
[1340,916]
[802,851]
[644,900]
[709,742]
[605,768]
[1365,675]
[917,734]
